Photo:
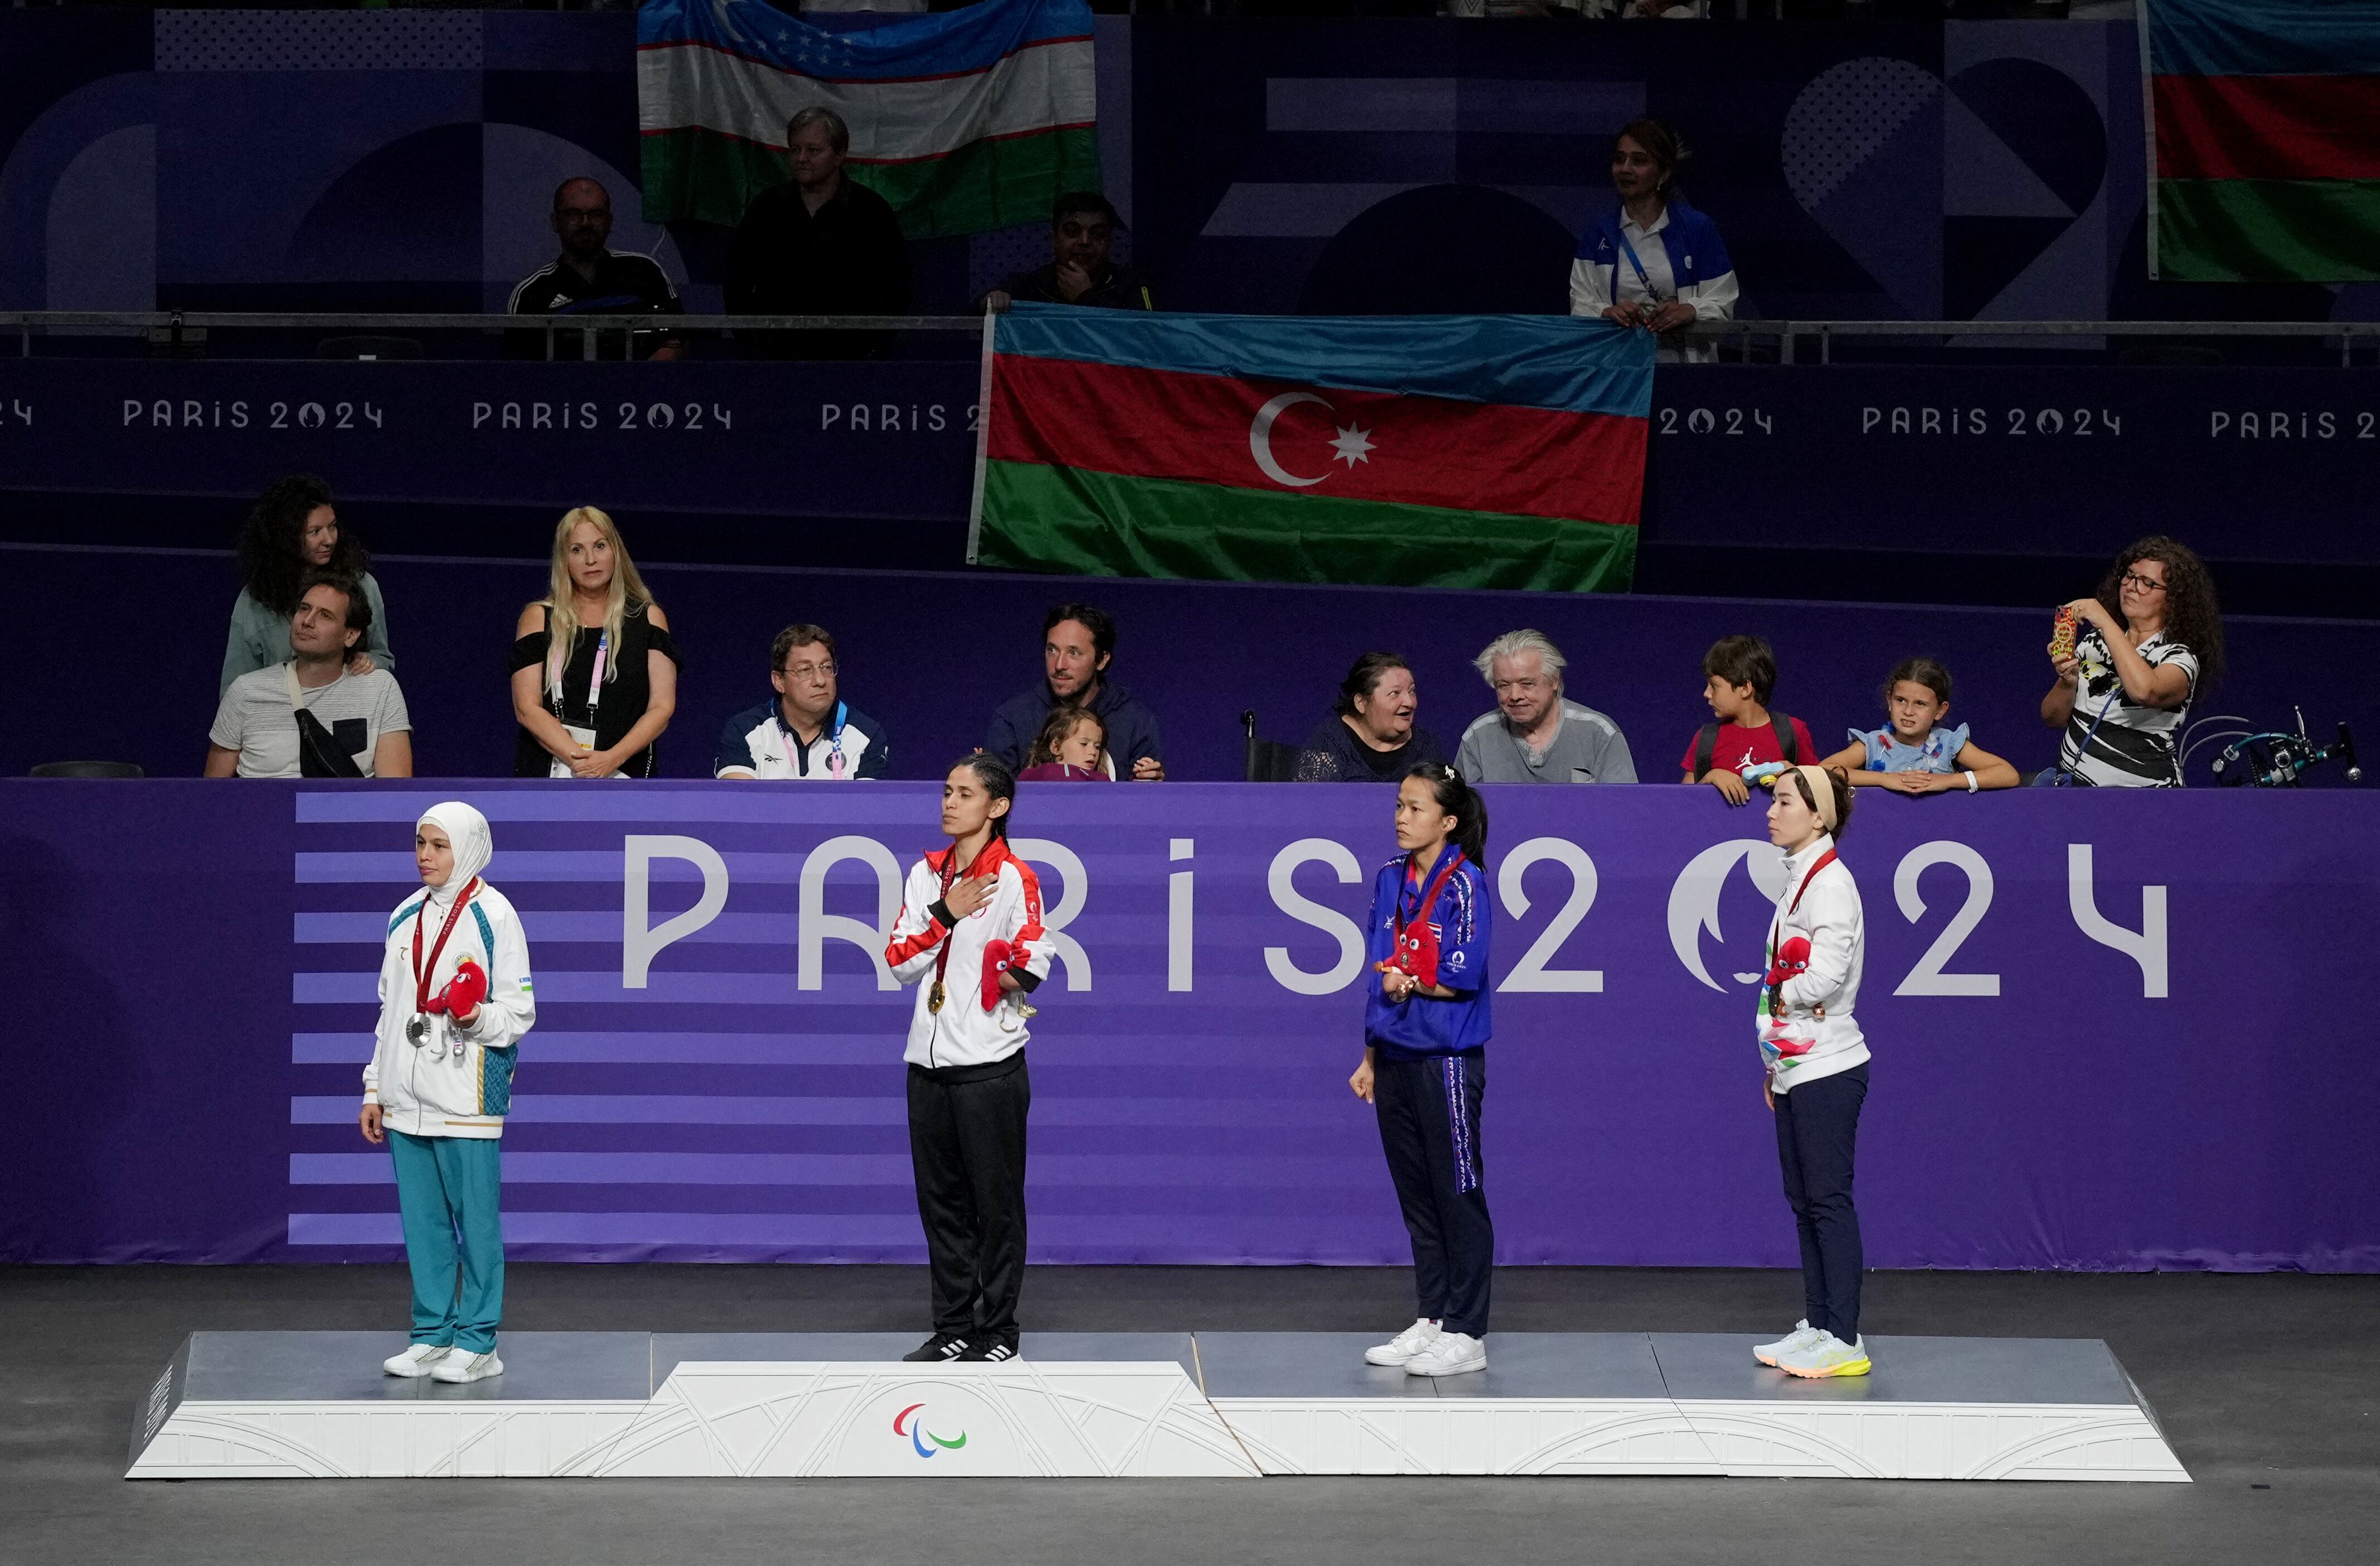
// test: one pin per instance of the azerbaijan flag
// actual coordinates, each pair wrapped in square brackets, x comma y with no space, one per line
[1443,451]
[2265,139]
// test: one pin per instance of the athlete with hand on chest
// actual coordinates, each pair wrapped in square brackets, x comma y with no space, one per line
[969,938]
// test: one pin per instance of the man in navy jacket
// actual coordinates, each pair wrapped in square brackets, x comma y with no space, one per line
[1077,644]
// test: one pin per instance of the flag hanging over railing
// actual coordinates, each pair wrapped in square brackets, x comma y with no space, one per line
[1445,450]
[966,121]
[2265,139]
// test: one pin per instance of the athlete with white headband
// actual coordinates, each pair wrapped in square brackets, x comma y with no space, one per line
[1817,1064]
[455,1000]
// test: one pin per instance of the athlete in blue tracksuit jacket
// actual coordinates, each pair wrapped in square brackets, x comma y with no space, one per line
[1425,1070]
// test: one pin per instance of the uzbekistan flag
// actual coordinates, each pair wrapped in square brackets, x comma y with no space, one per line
[1445,450]
[965,121]
[2265,119]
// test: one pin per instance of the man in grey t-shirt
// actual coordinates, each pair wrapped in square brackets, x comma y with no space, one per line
[255,733]
[1533,735]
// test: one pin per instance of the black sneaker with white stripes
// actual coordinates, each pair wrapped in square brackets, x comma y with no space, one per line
[940,1348]
[997,1351]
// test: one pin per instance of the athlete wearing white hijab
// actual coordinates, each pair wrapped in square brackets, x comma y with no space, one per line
[455,999]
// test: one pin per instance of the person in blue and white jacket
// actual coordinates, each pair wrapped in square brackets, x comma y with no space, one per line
[1816,1061]
[1425,1070]
[1653,261]
[455,1000]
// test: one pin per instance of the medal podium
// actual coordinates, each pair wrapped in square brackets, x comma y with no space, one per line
[1140,1405]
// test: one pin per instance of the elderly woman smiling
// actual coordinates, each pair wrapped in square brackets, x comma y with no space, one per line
[1371,735]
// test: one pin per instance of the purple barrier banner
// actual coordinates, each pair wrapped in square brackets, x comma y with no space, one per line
[2110,1031]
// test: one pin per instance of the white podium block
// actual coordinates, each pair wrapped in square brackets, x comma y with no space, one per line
[1026,1418]
[1143,1406]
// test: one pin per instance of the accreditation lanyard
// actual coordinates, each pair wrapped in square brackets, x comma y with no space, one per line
[1429,898]
[421,975]
[835,765]
[1642,276]
[595,680]
[1778,929]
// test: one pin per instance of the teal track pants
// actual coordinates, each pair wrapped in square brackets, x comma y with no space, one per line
[448,1188]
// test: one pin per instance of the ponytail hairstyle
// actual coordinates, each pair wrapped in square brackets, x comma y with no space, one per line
[1919,671]
[1843,792]
[1461,801]
[998,782]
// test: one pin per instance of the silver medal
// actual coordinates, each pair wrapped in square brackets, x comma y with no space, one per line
[417,1030]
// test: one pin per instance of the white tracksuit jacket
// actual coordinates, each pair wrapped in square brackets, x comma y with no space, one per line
[1830,918]
[962,1033]
[460,1081]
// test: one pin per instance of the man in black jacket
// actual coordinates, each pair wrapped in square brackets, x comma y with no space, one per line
[820,245]
[1082,227]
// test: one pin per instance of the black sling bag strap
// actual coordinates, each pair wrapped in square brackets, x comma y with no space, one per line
[1706,743]
[319,755]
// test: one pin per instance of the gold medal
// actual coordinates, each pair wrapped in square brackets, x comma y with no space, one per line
[934,997]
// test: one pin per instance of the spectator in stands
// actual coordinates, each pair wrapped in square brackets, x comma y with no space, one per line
[589,278]
[294,529]
[1739,675]
[1535,734]
[1370,735]
[1917,752]
[1067,749]
[594,669]
[2147,642]
[1082,226]
[805,730]
[1077,644]
[1653,261]
[317,714]
[822,245]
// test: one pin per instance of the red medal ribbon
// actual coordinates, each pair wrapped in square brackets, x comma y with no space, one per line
[421,978]
[949,875]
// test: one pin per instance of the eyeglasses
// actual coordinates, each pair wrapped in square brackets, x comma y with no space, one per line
[809,671]
[2139,583]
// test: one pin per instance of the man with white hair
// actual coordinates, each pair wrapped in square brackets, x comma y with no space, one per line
[1533,735]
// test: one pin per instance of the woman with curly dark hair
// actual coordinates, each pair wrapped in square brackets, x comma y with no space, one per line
[2143,648]
[292,529]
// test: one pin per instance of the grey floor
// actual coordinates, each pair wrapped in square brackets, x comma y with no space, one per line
[2267,1387]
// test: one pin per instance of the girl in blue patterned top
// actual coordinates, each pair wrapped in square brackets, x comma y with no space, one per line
[1917,752]
[1425,1070]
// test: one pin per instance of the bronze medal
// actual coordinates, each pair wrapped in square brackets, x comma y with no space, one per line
[934,997]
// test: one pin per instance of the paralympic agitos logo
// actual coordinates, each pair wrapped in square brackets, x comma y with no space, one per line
[905,1422]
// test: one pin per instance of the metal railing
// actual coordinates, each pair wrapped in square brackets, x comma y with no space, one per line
[173,329]
[1788,332]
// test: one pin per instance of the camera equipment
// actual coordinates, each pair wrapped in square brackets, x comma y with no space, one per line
[2269,760]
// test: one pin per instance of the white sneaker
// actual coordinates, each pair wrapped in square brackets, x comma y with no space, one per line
[1801,1338]
[1449,1353]
[461,1366]
[1401,1349]
[1828,1356]
[416,1360]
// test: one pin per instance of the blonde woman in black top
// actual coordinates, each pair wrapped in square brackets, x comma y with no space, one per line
[594,669]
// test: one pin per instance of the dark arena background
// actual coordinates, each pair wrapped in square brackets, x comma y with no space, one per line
[475,1054]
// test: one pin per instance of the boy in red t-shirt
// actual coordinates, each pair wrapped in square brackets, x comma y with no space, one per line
[1739,673]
